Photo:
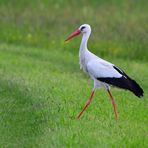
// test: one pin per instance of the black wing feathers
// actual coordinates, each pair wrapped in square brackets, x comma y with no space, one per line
[124,82]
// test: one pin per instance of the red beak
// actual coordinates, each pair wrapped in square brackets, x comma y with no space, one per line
[75,33]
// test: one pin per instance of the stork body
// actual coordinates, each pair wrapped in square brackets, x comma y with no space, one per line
[102,72]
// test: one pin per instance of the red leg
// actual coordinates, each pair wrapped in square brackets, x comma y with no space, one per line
[88,102]
[113,103]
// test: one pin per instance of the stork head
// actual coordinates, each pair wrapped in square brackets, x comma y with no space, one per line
[84,29]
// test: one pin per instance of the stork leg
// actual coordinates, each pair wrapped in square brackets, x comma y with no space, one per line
[113,103]
[88,102]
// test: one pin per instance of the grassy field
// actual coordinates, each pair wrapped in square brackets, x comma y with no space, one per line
[42,88]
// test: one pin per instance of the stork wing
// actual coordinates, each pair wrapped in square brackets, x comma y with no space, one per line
[102,69]
[110,74]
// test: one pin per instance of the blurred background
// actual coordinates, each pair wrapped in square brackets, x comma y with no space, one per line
[119,27]
[42,88]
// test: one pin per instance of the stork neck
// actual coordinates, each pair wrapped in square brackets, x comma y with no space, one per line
[84,41]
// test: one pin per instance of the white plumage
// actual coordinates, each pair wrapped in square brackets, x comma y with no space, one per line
[93,65]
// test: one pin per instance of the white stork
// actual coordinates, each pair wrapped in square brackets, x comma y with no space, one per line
[102,72]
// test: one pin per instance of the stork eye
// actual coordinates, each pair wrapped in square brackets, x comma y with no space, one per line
[82,28]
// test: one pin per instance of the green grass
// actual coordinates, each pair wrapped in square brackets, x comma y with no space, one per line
[42,88]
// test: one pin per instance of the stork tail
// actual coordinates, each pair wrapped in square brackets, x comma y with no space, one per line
[135,88]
